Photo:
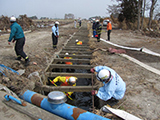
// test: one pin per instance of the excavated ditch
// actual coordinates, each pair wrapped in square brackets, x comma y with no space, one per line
[81,55]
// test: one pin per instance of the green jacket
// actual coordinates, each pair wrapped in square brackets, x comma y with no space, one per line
[16,32]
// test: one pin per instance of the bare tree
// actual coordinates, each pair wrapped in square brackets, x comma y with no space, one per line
[153,5]
[143,12]
[139,13]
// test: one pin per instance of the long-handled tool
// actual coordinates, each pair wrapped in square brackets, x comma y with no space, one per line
[63,92]
[92,96]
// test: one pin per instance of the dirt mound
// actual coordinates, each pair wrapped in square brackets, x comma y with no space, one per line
[25,22]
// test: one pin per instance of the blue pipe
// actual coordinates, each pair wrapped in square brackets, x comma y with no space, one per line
[63,110]
[9,97]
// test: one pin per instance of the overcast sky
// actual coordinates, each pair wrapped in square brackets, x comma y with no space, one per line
[55,8]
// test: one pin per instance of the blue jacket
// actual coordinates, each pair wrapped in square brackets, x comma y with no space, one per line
[16,32]
[55,30]
[115,88]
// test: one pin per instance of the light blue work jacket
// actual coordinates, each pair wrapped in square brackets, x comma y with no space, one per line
[55,30]
[115,88]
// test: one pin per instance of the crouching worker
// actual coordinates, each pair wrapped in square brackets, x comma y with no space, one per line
[65,81]
[78,42]
[114,87]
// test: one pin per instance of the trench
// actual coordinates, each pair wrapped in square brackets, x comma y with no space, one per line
[81,55]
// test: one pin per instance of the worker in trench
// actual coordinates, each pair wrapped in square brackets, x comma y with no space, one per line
[17,35]
[78,42]
[68,63]
[65,81]
[114,87]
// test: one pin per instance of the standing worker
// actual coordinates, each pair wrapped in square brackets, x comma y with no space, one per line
[18,36]
[109,29]
[55,34]
[65,81]
[75,24]
[114,87]
[79,22]
[94,28]
[98,30]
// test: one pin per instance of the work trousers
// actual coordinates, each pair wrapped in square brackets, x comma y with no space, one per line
[19,47]
[100,103]
[98,38]
[109,32]
[55,40]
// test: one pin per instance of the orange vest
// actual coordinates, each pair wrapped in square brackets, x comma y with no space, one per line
[66,82]
[68,63]
[109,26]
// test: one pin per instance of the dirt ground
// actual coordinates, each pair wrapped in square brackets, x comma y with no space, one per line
[142,97]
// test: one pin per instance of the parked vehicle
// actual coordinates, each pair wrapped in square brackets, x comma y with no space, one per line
[104,22]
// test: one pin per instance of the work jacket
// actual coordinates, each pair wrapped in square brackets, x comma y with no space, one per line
[16,32]
[115,88]
[98,28]
[68,63]
[64,81]
[94,26]
[109,26]
[55,30]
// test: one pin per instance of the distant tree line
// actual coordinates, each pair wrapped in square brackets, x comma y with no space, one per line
[134,11]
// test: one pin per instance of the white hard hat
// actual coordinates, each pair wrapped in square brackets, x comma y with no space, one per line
[107,20]
[103,75]
[77,40]
[66,53]
[12,19]
[97,20]
[72,80]
[57,22]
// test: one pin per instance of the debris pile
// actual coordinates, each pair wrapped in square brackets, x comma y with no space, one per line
[25,22]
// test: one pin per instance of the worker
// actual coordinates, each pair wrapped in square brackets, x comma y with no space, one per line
[78,42]
[109,29]
[66,81]
[94,28]
[55,34]
[68,63]
[114,87]
[98,30]
[79,21]
[75,24]
[18,36]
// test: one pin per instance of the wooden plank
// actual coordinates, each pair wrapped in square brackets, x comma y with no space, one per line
[76,56]
[70,66]
[72,60]
[76,49]
[75,52]
[77,46]
[47,88]
[78,75]
[21,109]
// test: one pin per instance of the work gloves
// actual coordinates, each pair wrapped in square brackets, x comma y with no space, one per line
[93,92]
[92,70]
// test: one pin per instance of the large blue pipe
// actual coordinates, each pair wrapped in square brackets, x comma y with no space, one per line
[64,110]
